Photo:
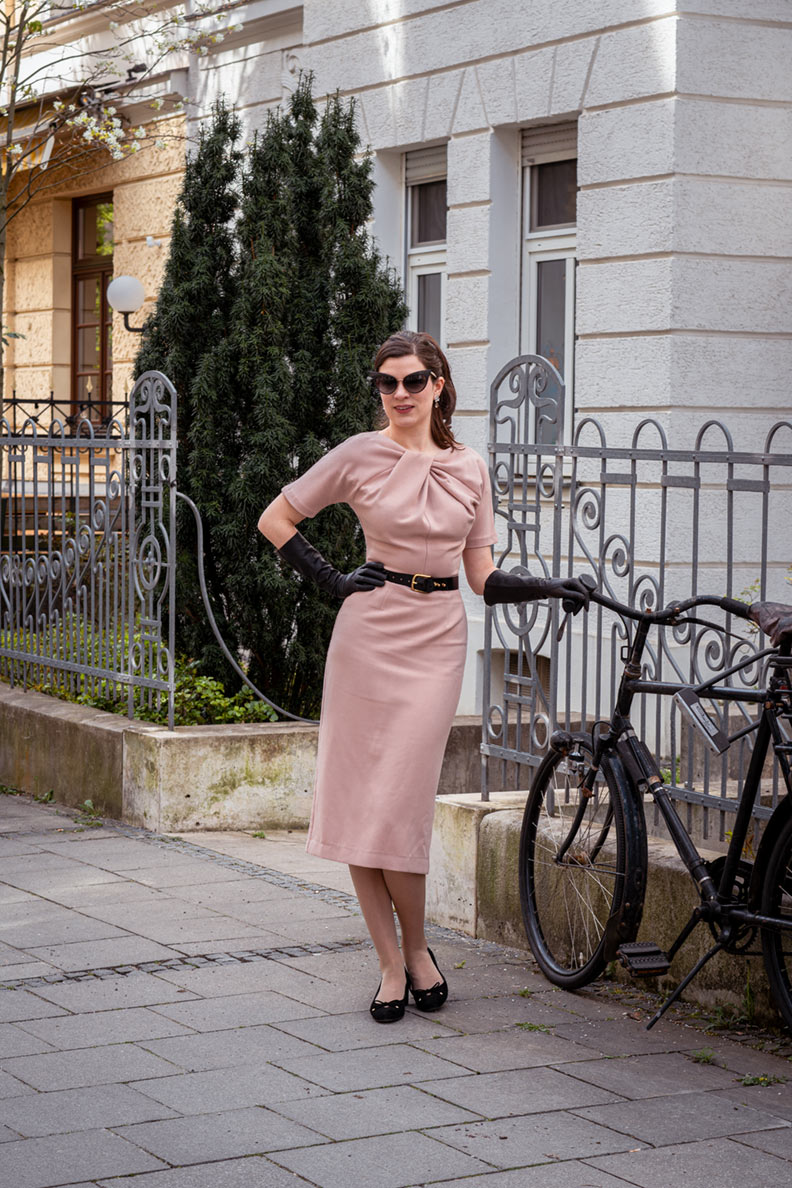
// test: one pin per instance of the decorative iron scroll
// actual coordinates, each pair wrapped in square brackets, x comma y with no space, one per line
[87,525]
[650,522]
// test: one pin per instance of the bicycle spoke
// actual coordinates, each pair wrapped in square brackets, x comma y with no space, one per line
[584,885]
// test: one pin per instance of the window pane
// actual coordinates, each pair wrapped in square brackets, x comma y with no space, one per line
[95,231]
[88,300]
[429,294]
[551,325]
[88,348]
[550,310]
[428,214]
[554,194]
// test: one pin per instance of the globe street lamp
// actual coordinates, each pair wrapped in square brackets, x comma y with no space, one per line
[126,294]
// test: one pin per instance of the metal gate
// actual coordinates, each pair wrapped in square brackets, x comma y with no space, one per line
[87,531]
[650,522]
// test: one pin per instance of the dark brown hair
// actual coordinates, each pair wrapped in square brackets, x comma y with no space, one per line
[412,342]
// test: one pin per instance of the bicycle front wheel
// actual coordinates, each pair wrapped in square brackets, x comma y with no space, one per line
[582,865]
[777,902]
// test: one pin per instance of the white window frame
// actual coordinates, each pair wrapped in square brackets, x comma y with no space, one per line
[422,262]
[427,258]
[537,249]
[549,243]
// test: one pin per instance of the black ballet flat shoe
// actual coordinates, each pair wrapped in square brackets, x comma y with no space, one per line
[433,998]
[390,1012]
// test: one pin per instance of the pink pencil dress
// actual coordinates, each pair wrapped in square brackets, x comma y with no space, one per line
[396,656]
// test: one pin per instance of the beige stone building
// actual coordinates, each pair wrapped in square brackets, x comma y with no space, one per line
[63,248]
[115,219]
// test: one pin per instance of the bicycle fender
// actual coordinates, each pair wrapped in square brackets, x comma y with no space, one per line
[624,925]
[781,814]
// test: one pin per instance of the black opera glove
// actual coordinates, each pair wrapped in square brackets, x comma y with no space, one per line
[514,587]
[308,561]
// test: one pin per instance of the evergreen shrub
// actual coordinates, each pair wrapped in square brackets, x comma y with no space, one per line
[274,301]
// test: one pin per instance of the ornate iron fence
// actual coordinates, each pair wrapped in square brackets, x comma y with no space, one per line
[87,528]
[650,522]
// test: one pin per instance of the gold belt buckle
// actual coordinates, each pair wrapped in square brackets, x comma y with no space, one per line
[420,588]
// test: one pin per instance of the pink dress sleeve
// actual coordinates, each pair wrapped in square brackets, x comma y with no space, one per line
[330,480]
[482,531]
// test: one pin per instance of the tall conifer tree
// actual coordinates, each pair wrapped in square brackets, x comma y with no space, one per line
[312,300]
[194,310]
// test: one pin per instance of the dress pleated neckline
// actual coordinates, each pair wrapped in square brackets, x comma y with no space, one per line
[441,454]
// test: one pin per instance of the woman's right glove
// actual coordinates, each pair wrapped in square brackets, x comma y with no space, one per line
[308,561]
[513,587]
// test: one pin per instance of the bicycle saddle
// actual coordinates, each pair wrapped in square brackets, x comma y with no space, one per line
[775,619]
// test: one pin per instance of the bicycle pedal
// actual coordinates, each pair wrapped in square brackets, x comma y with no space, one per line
[643,958]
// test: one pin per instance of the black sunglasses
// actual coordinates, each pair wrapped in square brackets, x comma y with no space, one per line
[413,383]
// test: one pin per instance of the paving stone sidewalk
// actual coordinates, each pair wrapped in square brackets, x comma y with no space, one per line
[194,1014]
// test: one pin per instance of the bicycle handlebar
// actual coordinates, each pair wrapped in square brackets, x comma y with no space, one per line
[740,610]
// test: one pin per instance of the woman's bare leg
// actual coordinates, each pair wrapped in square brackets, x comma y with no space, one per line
[408,893]
[377,908]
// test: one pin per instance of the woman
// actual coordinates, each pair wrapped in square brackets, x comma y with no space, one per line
[397,654]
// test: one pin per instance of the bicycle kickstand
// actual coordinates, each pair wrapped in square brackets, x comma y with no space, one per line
[716,948]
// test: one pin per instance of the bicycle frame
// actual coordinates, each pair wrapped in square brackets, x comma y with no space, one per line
[717,901]
[604,780]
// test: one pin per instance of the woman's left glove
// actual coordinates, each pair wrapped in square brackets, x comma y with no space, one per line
[515,587]
[308,561]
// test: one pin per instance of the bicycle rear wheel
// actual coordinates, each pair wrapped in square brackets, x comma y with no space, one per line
[582,866]
[777,901]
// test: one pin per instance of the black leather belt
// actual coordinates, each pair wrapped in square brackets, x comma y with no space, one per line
[422,582]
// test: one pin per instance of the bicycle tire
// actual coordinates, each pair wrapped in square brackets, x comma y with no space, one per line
[776,900]
[577,912]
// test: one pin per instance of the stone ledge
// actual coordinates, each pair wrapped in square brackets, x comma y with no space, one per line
[241,776]
[473,886]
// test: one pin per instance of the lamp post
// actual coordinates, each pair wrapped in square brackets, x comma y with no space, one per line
[125,294]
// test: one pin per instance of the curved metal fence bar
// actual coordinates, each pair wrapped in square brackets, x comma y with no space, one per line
[213,622]
[649,521]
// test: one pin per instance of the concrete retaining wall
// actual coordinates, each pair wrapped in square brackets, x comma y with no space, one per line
[195,777]
[473,886]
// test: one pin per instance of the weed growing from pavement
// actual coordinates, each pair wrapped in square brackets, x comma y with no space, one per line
[534,1027]
[703,1056]
[89,816]
[762,1079]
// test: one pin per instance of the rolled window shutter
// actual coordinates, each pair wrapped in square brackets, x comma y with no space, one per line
[558,140]
[424,165]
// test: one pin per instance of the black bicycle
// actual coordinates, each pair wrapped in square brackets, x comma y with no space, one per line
[583,852]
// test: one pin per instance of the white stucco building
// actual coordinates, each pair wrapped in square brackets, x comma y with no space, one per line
[618,191]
